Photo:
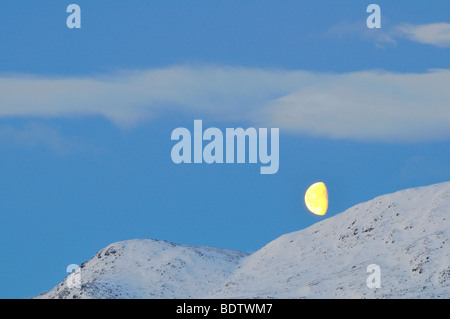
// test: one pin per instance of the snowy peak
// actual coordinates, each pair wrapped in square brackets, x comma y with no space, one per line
[150,269]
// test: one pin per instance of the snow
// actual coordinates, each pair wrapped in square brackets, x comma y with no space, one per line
[405,233]
[149,268]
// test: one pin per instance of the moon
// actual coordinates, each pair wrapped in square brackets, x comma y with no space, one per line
[316,199]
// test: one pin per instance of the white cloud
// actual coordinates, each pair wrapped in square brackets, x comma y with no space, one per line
[378,106]
[132,96]
[437,34]
[370,105]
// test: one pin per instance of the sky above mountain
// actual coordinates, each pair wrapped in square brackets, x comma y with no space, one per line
[86,117]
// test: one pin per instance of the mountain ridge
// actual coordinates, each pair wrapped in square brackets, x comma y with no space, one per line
[405,233]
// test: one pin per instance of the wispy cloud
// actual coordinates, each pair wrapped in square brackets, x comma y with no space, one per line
[36,135]
[369,105]
[132,96]
[437,34]
[380,37]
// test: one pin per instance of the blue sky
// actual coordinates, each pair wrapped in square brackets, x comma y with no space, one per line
[86,117]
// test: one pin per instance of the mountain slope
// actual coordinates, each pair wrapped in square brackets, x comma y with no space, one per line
[405,233]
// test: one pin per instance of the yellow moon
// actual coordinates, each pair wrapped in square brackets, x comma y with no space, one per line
[316,199]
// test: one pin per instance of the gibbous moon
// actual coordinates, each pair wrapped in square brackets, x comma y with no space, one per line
[316,199]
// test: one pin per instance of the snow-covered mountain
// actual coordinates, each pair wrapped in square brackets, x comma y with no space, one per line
[148,268]
[405,233]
